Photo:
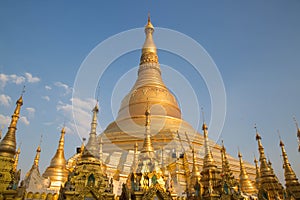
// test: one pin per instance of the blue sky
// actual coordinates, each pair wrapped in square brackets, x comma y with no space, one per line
[255,45]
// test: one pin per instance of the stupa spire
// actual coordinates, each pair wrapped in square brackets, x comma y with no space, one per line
[245,183]
[210,179]
[149,53]
[93,145]
[8,144]
[17,159]
[291,181]
[208,158]
[257,172]
[195,169]
[149,85]
[262,158]
[147,146]
[37,156]
[269,185]
[227,174]
[57,171]
[298,133]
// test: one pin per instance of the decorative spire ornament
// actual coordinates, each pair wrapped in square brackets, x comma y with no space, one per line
[245,183]
[298,133]
[57,171]
[8,143]
[93,144]
[269,185]
[291,181]
[147,146]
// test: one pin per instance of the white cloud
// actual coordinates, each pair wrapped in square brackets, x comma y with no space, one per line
[5,100]
[83,115]
[4,120]
[3,80]
[67,88]
[16,79]
[31,79]
[24,120]
[31,112]
[47,87]
[47,98]
[13,78]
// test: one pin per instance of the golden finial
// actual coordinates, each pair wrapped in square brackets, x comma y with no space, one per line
[8,144]
[298,133]
[291,181]
[147,147]
[57,171]
[17,158]
[94,119]
[245,183]
[204,126]
[258,137]
[23,90]
[149,54]
[38,151]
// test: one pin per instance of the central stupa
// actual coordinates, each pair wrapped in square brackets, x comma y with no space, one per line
[148,90]
[173,138]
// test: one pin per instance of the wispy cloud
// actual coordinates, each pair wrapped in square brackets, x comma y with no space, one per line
[31,112]
[24,120]
[47,98]
[82,111]
[47,87]
[5,100]
[16,79]
[13,78]
[4,120]
[64,86]
[31,79]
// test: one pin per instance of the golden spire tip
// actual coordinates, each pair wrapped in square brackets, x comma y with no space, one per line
[149,20]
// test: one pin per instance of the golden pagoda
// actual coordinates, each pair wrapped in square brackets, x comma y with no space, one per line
[9,176]
[291,181]
[246,185]
[269,186]
[194,182]
[57,171]
[210,174]
[228,182]
[88,180]
[257,173]
[168,130]
[93,144]
[34,182]
[147,181]
[16,159]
